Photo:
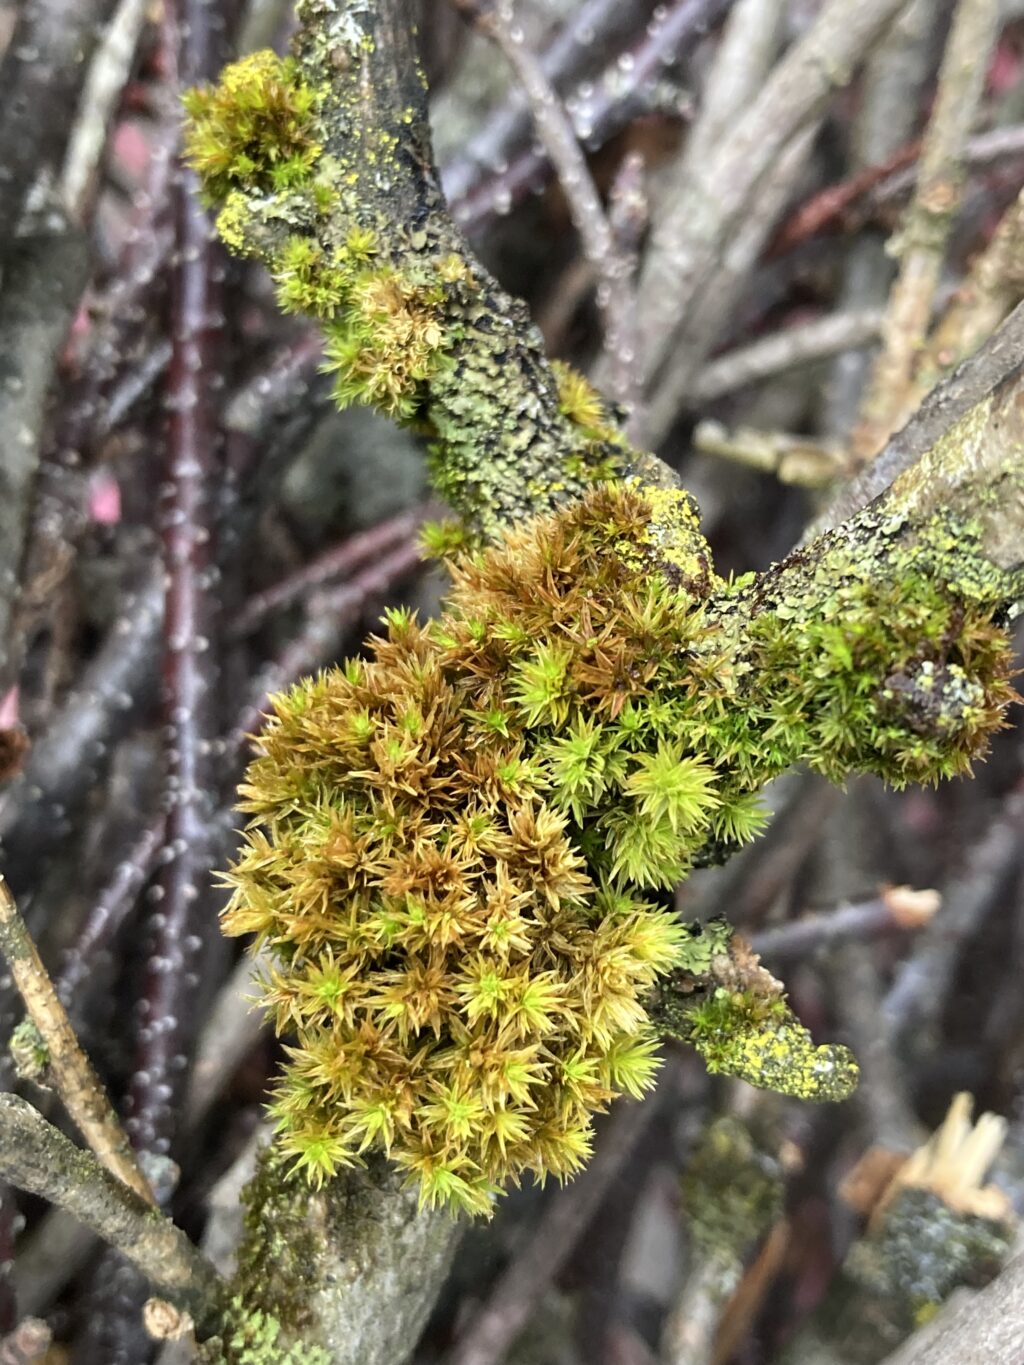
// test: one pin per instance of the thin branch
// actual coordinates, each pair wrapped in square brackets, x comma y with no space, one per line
[695,234]
[108,72]
[40,78]
[929,220]
[113,905]
[597,117]
[792,459]
[916,997]
[897,910]
[516,1294]
[615,295]
[587,39]
[802,344]
[77,1083]
[341,559]
[36,807]
[994,284]
[38,1158]
[42,285]
[329,613]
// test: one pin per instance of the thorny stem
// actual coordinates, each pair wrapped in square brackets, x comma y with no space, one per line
[79,1087]
[174,962]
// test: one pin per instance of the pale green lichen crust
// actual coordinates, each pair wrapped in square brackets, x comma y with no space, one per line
[458,843]
[412,325]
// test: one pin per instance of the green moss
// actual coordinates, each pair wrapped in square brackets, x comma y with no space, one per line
[269,1311]
[253,1337]
[29,1053]
[255,130]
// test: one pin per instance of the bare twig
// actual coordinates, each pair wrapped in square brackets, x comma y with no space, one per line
[36,807]
[41,290]
[80,1088]
[926,231]
[804,343]
[792,459]
[586,39]
[615,294]
[230,1033]
[40,78]
[334,563]
[108,72]
[916,998]
[610,105]
[112,906]
[838,206]
[994,285]
[882,1093]
[514,1297]
[38,1158]
[694,237]
[897,910]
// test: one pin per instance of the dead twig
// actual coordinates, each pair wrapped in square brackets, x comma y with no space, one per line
[923,237]
[38,1158]
[615,295]
[79,1087]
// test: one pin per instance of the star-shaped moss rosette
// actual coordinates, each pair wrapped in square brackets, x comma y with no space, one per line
[459,843]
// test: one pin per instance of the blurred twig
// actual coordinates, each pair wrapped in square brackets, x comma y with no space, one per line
[77,1083]
[923,237]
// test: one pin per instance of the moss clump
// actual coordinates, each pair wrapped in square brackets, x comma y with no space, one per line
[452,847]
[882,655]
[253,1337]
[256,129]
[455,842]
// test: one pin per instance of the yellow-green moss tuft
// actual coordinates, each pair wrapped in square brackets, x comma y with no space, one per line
[254,130]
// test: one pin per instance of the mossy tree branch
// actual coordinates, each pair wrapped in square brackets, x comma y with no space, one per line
[593,716]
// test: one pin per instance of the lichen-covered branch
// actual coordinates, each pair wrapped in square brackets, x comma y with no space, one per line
[322,167]
[460,842]
[38,1158]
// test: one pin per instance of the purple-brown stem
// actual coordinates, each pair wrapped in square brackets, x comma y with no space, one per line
[173,968]
[613,104]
